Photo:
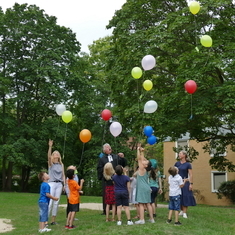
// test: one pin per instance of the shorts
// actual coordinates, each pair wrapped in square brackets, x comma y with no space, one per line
[154,194]
[74,207]
[174,203]
[122,198]
[43,211]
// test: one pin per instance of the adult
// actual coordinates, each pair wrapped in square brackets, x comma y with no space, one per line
[108,157]
[56,181]
[186,172]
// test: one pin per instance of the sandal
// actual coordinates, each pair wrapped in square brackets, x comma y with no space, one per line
[53,223]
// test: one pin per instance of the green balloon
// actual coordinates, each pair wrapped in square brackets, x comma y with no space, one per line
[206,41]
[136,72]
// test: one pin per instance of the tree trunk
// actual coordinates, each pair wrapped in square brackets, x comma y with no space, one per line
[25,178]
[3,173]
[9,177]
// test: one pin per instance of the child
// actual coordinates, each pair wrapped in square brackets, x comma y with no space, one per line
[67,187]
[109,190]
[175,183]
[43,201]
[155,184]
[122,189]
[74,198]
[143,193]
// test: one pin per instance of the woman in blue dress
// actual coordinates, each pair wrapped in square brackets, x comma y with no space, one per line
[186,172]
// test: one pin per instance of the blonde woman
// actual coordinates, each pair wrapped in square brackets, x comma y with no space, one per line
[109,190]
[56,181]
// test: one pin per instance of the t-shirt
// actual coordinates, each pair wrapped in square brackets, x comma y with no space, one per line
[155,183]
[74,196]
[175,182]
[183,169]
[120,182]
[44,189]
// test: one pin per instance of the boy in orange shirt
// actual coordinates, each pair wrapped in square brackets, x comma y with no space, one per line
[74,198]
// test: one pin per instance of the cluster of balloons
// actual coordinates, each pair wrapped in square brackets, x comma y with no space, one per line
[115,128]
[65,114]
[148,62]
[194,8]
[151,138]
[85,134]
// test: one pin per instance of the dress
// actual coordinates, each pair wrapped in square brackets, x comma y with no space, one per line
[143,190]
[109,192]
[187,198]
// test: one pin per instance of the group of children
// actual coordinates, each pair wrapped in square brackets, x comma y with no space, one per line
[146,183]
[140,190]
[73,191]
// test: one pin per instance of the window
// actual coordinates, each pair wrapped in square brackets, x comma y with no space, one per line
[180,145]
[217,177]
[217,149]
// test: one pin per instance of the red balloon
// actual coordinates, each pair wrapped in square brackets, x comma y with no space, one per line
[190,86]
[106,114]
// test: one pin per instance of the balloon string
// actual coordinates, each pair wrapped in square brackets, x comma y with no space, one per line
[195,22]
[191,105]
[104,131]
[65,136]
[57,128]
[81,155]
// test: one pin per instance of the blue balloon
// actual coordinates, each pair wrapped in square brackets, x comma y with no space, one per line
[148,130]
[152,140]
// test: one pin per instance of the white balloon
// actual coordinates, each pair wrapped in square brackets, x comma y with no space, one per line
[115,129]
[150,106]
[148,62]
[60,108]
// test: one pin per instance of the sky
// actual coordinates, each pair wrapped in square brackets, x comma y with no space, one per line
[85,18]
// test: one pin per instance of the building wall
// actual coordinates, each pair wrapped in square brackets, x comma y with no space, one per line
[201,173]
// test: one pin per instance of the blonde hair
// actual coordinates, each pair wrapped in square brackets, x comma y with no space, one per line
[59,159]
[187,159]
[108,171]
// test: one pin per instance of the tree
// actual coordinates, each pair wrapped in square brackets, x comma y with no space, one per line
[167,30]
[35,70]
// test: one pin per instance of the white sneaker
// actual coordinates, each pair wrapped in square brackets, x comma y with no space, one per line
[119,222]
[130,222]
[181,213]
[152,221]
[140,222]
[185,215]
[44,230]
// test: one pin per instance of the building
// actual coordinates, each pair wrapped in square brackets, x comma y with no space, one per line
[205,179]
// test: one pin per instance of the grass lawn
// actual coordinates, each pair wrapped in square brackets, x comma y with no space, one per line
[22,209]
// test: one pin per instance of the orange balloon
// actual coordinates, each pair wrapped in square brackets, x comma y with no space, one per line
[85,135]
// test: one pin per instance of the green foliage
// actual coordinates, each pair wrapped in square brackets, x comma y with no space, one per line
[227,189]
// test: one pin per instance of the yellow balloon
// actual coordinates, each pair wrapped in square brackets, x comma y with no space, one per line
[148,85]
[136,72]
[67,116]
[206,41]
[194,7]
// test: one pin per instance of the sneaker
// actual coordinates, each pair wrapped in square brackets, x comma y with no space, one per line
[66,226]
[181,213]
[54,223]
[185,215]
[44,230]
[168,221]
[119,222]
[140,222]
[152,221]
[71,227]
[177,223]
[129,222]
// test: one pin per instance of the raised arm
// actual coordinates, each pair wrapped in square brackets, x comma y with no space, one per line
[50,143]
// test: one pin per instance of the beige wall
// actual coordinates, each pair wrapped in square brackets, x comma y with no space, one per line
[201,173]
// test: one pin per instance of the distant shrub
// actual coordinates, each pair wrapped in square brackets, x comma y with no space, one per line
[227,189]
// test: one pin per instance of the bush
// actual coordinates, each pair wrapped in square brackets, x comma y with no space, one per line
[227,189]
